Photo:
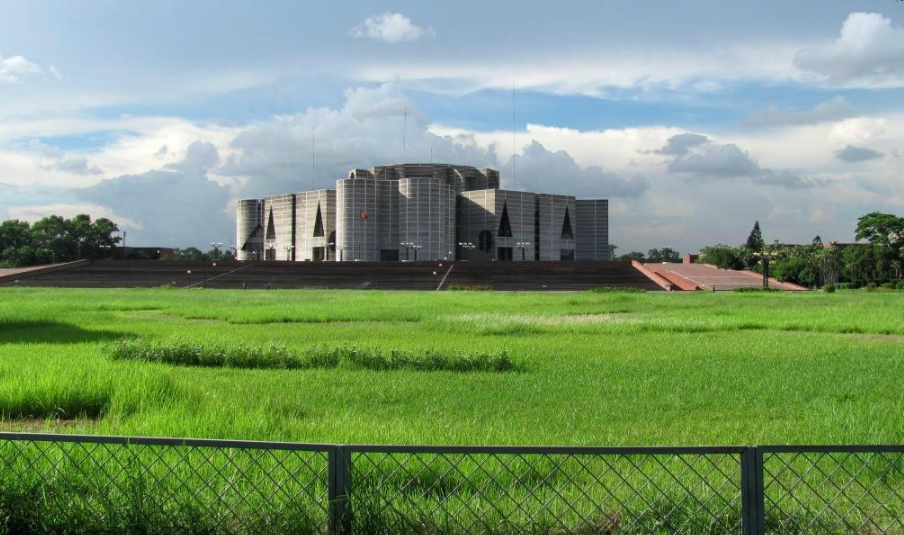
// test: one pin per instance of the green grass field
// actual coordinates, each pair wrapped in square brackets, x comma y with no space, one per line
[592,369]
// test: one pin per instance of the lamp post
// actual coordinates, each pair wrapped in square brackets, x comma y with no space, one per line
[270,245]
[189,278]
[523,245]
[328,245]
[765,257]
[407,245]
[289,249]
[415,247]
[216,245]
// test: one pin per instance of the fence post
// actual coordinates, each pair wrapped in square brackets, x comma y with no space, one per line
[752,498]
[339,491]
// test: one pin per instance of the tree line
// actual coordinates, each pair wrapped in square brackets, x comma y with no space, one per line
[56,239]
[877,262]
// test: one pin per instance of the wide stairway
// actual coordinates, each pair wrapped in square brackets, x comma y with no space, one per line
[579,275]
[346,275]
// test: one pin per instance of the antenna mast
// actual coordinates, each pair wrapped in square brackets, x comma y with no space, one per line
[313,182]
[514,142]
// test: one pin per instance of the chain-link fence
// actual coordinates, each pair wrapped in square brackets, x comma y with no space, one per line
[77,484]
[833,490]
[86,484]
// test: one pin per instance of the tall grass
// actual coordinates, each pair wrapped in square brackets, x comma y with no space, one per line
[279,356]
[608,368]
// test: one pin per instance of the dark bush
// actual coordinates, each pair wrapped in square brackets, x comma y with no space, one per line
[611,289]
[755,290]
[469,288]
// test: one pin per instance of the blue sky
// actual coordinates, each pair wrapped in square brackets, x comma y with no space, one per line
[796,105]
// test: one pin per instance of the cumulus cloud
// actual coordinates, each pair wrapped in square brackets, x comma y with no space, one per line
[727,161]
[852,154]
[833,110]
[276,157]
[716,161]
[542,170]
[390,28]
[178,205]
[14,68]
[54,159]
[869,52]
[680,144]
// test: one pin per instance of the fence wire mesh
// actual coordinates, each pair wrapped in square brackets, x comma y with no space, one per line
[556,493]
[834,491]
[67,484]
[116,487]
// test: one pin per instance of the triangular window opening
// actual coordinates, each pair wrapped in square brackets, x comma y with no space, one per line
[248,246]
[318,224]
[567,234]
[271,229]
[505,227]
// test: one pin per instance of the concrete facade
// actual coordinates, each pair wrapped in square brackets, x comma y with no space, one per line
[592,230]
[315,236]
[249,239]
[410,212]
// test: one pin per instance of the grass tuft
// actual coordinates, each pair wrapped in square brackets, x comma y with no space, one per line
[279,356]
[613,289]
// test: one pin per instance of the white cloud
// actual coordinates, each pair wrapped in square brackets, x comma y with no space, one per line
[539,169]
[390,28]
[869,52]
[54,159]
[833,110]
[717,161]
[594,74]
[176,206]
[185,194]
[14,68]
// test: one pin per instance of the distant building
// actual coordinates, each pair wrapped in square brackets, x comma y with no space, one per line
[422,212]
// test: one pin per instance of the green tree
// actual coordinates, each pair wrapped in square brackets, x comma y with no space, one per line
[15,243]
[886,232]
[103,240]
[859,263]
[722,256]
[189,253]
[56,239]
[664,254]
[755,241]
[53,239]
[633,255]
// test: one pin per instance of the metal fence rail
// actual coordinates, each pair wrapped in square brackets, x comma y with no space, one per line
[87,484]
